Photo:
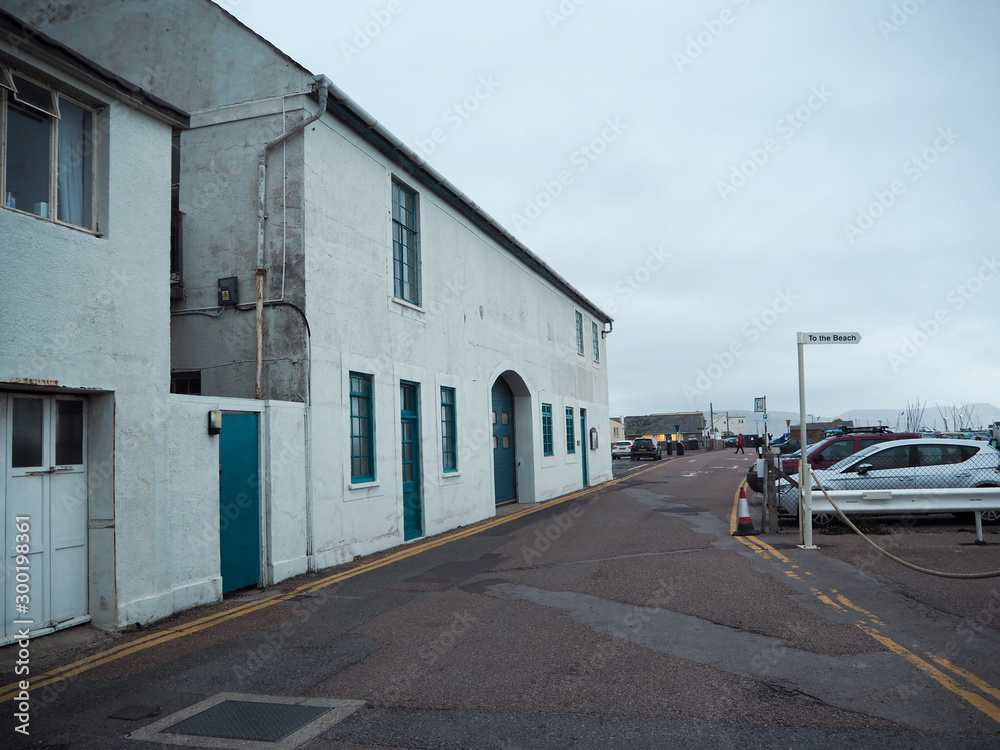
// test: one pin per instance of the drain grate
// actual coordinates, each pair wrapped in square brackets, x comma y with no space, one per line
[238,720]
[247,720]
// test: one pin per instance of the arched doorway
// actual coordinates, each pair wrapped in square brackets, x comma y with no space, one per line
[504,443]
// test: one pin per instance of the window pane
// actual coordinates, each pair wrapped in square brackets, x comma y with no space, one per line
[26,442]
[69,433]
[405,250]
[35,95]
[28,151]
[73,196]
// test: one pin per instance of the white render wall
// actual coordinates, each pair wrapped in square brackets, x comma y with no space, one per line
[90,314]
[483,313]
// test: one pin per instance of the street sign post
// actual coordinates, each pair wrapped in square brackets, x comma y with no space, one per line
[805,480]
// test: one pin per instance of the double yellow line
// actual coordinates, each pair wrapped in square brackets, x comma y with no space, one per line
[77,668]
[945,673]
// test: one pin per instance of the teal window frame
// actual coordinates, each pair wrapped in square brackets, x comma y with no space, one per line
[362,428]
[449,434]
[597,342]
[405,244]
[570,431]
[579,332]
[547,445]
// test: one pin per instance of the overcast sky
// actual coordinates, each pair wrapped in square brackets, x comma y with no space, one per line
[717,176]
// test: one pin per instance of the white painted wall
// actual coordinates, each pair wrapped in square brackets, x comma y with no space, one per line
[90,313]
[482,313]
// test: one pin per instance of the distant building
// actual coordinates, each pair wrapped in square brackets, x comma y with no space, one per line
[680,426]
[729,424]
[617,429]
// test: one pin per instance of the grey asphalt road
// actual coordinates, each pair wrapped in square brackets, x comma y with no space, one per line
[623,617]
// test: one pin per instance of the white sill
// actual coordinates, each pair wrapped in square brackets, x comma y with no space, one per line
[409,305]
[56,222]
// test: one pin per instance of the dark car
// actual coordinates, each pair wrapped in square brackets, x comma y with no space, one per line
[646,448]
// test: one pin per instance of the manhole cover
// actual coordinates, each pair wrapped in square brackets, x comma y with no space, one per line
[248,720]
[235,720]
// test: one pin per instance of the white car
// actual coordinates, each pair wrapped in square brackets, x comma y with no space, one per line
[621,448]
[904,465]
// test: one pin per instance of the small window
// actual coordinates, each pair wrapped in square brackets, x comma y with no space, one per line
[547,444]
[579,332]
[69,432]
[597,342]
[47,152]
[362,429]
[186,382]
[570,431]
[405,245]
[449,453]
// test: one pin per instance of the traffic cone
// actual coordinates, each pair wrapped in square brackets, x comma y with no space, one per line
[744,524]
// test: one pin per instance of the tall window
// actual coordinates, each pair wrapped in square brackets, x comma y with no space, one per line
[47,146]
[547,447]
[570,431]
[362,429]
[579,332]
[597,342]
[449,455]
[405,247]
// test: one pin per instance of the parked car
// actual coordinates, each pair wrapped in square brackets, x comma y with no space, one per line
[621,448]
[827,452]
[731,442]
[902,465]
[646,448]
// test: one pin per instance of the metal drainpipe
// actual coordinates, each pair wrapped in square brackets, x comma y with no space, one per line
[324,84]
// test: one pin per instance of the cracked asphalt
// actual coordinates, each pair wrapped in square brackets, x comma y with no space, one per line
[624,617]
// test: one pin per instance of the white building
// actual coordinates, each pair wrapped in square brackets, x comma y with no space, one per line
[726,425]
[322,272]
[85,330]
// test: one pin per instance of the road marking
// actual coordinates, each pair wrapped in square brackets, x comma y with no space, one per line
[80,666]
[948,682]
[840,602]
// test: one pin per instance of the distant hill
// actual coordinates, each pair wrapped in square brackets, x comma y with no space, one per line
[974,416]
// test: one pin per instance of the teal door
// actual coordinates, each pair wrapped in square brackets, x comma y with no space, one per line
[585,446]
[504,457]
[413,509]
[239,501]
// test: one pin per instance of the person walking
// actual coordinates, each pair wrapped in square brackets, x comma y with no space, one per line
[739,445]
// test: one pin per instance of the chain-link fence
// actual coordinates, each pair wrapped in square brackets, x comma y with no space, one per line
[922,464]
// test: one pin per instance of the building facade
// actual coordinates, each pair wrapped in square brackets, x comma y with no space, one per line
[410,364]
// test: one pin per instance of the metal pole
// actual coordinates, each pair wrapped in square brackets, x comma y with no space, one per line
[805,481]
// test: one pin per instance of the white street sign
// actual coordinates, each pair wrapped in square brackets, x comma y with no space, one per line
[826,337]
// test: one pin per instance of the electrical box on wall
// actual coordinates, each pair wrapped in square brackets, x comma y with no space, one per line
[229,291]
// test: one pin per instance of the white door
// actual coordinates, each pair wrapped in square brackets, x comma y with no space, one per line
[44,504]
